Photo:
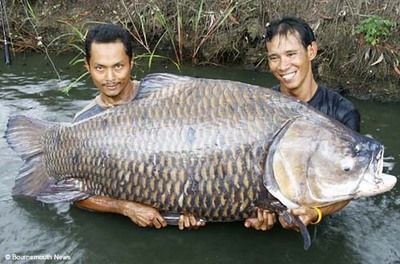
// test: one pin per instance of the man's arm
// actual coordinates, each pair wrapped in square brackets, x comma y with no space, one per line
[140,214]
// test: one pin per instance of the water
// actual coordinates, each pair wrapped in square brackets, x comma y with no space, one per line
[366,231]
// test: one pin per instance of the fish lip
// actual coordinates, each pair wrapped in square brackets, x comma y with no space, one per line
[376,170]
[379,156]
[374,181]
[269,176]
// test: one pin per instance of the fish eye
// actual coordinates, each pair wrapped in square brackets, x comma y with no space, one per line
[357,148]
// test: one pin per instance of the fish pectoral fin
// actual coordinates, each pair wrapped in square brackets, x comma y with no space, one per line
[62,191]
[294,219]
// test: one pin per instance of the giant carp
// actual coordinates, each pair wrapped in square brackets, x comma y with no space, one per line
[214,148]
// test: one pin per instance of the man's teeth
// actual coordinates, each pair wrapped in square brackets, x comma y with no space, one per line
[288,76]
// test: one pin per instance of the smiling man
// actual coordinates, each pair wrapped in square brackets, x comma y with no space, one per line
[291,47]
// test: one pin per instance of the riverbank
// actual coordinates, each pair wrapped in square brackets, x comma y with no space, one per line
[359,41]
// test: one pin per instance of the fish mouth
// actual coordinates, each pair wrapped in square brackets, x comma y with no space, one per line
[374,181]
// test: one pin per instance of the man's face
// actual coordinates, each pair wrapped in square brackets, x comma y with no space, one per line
[110,68]
[290,62]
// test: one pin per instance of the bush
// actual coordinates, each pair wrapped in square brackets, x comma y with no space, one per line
[374,28]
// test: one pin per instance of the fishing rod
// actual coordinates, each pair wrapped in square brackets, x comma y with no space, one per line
[6,49]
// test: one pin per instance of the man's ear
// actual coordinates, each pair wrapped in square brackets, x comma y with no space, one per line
[312,50]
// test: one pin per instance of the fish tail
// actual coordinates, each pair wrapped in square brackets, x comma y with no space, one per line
[24,135]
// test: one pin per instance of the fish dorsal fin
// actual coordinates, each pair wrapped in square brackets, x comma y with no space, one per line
[156,84]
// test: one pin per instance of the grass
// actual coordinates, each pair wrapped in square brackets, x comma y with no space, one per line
[32,18]
[223,31]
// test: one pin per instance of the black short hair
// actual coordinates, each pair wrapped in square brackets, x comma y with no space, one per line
[108,33]
[290,25]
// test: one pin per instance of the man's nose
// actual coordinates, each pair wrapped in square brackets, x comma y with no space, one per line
[284,63]
[110,75]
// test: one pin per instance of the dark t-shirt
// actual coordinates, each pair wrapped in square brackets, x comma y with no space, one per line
[334,105]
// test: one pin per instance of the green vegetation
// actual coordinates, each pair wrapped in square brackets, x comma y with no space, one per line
[374,29]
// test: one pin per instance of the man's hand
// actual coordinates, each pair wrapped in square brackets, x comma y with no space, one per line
[143,215]
[309,215]
[189,221]
[305,214]
[264,220]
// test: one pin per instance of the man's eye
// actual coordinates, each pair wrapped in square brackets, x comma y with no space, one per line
[273,58]
[99,68]
[118,66]
[291,54]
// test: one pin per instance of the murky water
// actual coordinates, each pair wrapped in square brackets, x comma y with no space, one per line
[366,231]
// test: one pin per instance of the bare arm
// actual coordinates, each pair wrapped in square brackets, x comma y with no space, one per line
[140,214]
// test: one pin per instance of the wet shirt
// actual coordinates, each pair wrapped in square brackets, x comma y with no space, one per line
[96,106]
[334,105]
[90,110]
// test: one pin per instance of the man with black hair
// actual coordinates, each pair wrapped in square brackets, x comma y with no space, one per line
[291,47]
[109,60]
